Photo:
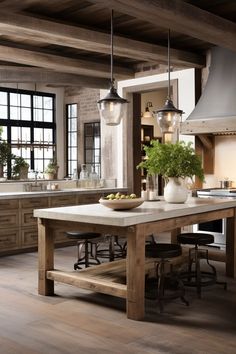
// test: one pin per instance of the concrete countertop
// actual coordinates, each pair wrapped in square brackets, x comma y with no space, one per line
[147,212]
[48,193]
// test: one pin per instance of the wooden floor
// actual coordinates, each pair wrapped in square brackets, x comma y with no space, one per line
[78,321]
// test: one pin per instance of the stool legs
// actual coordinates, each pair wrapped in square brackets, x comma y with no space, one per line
[89,252]
[198,278]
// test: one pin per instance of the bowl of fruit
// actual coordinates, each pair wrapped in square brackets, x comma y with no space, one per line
[120,201]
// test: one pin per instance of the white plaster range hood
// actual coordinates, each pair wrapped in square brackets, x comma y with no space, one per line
[215,112]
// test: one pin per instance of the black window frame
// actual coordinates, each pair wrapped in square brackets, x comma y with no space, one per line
[69,161]
[89,164]
[9,123]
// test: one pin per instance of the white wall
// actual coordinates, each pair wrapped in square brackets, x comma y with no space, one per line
[225,166]
[184,98]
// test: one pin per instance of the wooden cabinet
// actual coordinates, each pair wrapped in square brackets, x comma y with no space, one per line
[9,240]
[88,198]
[62,200]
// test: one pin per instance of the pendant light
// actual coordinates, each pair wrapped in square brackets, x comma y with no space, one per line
[168,117]
[112,107]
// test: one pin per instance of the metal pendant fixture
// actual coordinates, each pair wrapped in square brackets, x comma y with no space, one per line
[112,107]
[169,116]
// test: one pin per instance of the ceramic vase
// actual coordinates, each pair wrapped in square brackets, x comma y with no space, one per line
[175,191]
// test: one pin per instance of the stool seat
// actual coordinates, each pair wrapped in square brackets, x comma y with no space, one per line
[82,235]
[163,250]
[195,238]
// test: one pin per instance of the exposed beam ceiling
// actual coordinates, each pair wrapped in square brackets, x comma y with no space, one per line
[12,74]
[181,17]
[77,37]
[60,63]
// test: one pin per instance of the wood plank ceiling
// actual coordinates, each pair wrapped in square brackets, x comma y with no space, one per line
[67,42]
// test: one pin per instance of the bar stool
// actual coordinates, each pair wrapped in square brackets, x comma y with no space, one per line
[114,249]
[169,284]
[85,241]
[197,277]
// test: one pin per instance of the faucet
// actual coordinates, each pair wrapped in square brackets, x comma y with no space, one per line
[36,178]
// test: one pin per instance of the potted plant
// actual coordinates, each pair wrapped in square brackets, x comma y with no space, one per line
[51,170]
[20,168]
[174,162]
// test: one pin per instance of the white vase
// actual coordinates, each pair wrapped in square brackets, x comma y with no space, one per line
[175,191]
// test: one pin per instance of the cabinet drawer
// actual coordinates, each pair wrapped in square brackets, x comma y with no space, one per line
[9,219]
[27,218]
[34,203]
[63,200]
[89,198]
[9,239]
[29,237]
[6,204]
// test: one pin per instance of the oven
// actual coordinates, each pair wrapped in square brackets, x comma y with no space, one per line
[215,227]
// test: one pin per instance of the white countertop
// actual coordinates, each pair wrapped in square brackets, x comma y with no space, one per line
[47,193]
[147,212]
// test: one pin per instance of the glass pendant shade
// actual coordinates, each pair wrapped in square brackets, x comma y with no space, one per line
[112,107]
[147,113]
[168,117]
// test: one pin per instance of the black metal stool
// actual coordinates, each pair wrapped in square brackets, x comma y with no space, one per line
[197,277]
[170,281]
[114,249]
[84,240]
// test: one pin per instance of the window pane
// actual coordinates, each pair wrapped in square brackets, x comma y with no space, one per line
[48,117]
[74,153]
[14,99]
[72,124]
[25,113]
[38,101]
[15,113]
[3,98]
[97,142]
[74,110]
[89,143]
[38,134]
[25,101]
[48,153]
[38,115]
[48,103]
[3,112]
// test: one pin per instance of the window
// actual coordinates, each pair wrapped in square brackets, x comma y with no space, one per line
[72,139]
[92,146]
[28,122]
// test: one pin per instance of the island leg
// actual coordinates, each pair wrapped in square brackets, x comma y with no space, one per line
[45,258]
[135,306]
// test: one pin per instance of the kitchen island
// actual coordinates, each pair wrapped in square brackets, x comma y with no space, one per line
[135,224]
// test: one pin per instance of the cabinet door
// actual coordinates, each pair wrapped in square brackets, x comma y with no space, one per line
[29,237]
[9,219]
[9,240]
[6,204]
[89,198]
[63,200]
[34,203]
[27,217]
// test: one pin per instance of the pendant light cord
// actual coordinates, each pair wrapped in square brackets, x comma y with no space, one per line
[112,79]
[168,56]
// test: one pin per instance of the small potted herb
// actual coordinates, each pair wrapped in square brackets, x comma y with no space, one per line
[51,170]
[20,168]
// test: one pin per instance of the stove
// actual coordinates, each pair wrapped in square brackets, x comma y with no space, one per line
[217,192]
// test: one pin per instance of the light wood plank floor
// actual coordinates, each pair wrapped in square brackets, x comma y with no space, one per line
[77,321]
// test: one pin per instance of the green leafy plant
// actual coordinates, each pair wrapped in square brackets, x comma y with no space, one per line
[52,167]
[18,166]
[172,160]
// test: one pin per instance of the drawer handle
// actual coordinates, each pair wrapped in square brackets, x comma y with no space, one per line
[4,220]
[4,240]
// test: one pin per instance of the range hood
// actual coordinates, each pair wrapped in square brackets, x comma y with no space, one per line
[215,112]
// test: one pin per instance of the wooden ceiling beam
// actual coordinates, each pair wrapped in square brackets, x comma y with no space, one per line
[14,74]
[44,31]
[181,17]
[60,63]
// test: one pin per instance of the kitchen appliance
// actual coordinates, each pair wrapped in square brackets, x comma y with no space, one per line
[216,227]
[226,183]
